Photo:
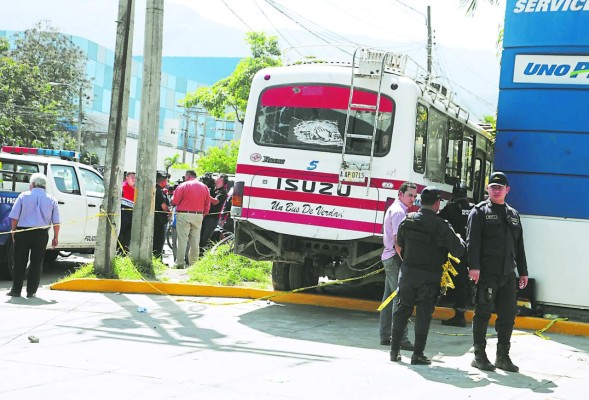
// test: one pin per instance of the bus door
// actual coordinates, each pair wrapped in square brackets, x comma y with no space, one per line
[478,192]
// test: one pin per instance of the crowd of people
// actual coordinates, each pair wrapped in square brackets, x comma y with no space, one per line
[486,238]
[199,209]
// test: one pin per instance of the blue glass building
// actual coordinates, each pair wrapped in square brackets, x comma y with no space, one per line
[180,131]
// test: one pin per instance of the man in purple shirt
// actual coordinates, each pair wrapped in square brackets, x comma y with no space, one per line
[31,216]
[392,261]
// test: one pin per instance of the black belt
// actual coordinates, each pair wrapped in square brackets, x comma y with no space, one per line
[189,212]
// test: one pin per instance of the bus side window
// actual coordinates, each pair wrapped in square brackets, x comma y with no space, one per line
[419,151]
[437,142]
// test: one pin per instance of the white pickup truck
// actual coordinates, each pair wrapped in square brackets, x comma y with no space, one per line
[78,188]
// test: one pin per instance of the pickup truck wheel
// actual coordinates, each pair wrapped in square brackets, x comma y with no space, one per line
[7,261]
[50,256]
[280,276]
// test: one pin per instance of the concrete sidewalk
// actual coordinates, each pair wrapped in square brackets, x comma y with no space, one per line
[99,346]
[187,289]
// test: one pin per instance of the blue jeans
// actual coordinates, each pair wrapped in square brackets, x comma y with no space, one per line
[392,266]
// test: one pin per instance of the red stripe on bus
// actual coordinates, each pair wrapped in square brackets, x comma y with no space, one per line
[323,199]
[274,172]
[293,218]
[333,97]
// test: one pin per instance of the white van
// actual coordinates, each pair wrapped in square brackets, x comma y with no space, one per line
[78,188]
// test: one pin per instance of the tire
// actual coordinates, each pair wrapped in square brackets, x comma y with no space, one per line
[7,261]
[301,276]
[50,256]
[171,239]
[280,276]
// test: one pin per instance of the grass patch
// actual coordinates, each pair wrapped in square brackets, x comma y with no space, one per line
[122,268]
[223,267]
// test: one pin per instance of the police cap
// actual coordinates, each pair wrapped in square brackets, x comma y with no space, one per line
[161,174]
[430,195]
[498,178]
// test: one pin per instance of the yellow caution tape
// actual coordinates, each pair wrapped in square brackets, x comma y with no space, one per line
[540,332]
[387,301]
[447,270]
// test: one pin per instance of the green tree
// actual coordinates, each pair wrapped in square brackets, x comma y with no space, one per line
[471,5]
[54,69]
[89,158]
[232,92]
[219,159]
[170,162]
[28,112]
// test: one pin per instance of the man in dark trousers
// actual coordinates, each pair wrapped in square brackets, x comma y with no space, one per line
[425,240]
[211,220]
[160,218]
[456,213]
[495,250]
[127,203]
[32,209]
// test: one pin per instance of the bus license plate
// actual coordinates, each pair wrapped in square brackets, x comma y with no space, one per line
[352,175]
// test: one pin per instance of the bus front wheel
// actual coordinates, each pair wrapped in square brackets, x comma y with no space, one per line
[280,276]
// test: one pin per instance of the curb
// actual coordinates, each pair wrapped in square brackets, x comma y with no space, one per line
[184,289]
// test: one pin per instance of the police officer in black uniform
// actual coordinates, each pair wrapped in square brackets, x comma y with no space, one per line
[456,213]
[425,240]
[160,217]
[495,249]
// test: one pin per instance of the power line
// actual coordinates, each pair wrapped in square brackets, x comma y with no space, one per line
[238,17]
[298,20]
[275,28]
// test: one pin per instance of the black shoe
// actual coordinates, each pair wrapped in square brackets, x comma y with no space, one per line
[420,359]
[31,295]
[395,356]
[13,294]
[407,345]
[385,342]
[457,320]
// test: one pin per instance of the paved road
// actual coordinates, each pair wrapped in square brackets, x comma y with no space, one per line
[98,346]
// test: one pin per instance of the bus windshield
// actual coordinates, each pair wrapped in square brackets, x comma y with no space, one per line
[313,117]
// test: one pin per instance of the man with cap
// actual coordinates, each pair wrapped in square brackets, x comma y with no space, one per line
[160,218]
[495,250]
[425,240]
[456,213]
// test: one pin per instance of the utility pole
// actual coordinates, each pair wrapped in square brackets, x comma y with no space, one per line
[141,247]
[195,135]
[186,123]
[117,134]
[79,141]
[204,135]
[429,41]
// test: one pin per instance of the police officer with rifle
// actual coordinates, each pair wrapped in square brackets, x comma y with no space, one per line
[425,240]
[495,250]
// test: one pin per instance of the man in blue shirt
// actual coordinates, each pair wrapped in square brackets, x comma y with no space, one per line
[31,216]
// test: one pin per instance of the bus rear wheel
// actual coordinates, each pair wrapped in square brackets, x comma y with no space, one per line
[280,276]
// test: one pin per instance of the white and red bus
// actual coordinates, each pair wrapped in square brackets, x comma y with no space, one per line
[324,149]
